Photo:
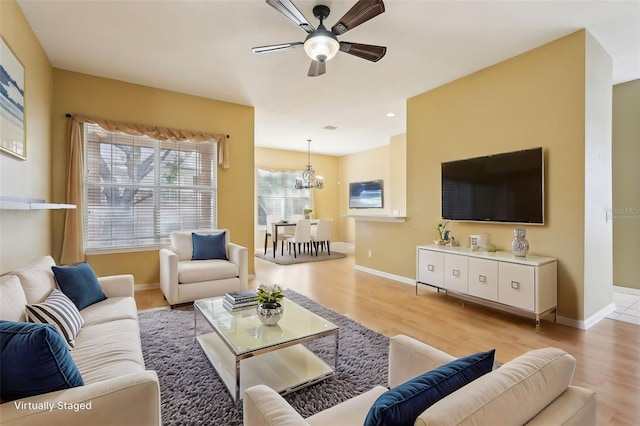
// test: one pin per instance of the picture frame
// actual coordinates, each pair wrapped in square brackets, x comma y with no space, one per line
[13,134]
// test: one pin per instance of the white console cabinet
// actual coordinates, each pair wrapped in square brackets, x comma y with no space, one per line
[521,285]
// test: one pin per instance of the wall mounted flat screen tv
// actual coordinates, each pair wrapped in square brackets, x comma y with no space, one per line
[365,195]
[505,188]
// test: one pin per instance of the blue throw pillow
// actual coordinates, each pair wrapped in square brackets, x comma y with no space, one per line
[209,246]
[403,404]
[79,283]
[35,360]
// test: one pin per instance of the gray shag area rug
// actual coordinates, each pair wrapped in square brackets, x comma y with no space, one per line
[192,393]
[288,259]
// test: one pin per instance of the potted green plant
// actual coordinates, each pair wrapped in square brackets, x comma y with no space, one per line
[443,233]
[308,213]
[269,309]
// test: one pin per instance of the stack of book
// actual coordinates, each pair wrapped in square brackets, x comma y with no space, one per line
[236,300]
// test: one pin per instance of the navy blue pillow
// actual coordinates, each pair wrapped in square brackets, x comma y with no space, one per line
[35,360]
[209,246]
[403,404]
[79,283]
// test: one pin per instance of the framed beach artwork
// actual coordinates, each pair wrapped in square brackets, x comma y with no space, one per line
[12,120]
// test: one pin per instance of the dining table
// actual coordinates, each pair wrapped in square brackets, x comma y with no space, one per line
[282,224]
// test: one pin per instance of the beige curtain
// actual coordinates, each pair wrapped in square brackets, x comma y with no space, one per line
[72,243]
[73,239]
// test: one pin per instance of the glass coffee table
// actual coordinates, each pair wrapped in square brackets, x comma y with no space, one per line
[244,352]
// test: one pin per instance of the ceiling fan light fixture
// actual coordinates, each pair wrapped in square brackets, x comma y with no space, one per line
[321,45]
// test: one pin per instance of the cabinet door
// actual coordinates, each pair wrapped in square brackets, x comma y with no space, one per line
[516,285]
[431,267]
[483,278]
[456,271]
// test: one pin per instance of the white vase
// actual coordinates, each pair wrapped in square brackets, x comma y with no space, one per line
[520,245]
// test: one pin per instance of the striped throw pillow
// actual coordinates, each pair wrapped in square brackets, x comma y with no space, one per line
[59,311]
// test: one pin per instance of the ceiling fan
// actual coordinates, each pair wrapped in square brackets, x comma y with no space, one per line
[321,44]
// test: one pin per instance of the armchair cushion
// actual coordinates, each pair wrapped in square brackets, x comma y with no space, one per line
[206,270]
[79,283]
[60,312]
[403,404]
[209,246]
[39,359]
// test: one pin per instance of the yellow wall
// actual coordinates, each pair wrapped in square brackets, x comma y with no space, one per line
[534,99]
[324,200]
[372,164]
[116,100]
[26,235]
[626,184]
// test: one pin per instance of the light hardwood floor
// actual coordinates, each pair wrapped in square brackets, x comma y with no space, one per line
[608,354]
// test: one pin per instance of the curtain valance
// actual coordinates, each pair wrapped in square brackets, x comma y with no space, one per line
[161,133]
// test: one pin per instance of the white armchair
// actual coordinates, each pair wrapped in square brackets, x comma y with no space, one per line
[184,280]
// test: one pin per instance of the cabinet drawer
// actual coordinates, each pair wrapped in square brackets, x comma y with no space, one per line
[483,278]
[456,272]
[516,285]
[431,267]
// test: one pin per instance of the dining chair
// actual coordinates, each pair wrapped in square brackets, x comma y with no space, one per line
[322,235]
[271,219]
[302,236]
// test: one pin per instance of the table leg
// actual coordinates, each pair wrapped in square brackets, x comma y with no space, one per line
[335,353]
[237,379]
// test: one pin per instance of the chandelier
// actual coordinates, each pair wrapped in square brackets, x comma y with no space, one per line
[309,179]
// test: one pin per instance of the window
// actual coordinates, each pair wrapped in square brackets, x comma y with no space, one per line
[277,195]
[137,190]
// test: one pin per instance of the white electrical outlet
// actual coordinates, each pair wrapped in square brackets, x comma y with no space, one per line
[370,253]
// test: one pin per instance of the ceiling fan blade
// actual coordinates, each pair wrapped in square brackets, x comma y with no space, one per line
[365,51]
[261,50]
[288,9]
[359,13]
[317,68]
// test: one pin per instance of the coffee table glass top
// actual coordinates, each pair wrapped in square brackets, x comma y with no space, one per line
[243,332]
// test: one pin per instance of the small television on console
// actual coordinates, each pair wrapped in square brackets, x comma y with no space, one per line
[506,188]
[365,195]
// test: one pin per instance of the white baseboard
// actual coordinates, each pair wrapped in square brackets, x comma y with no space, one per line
[139,287]
[383,274]
[589,322]
[343,247]
[626,290]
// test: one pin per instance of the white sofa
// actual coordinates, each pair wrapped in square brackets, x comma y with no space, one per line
[107,351]
[184,280]
[533,389]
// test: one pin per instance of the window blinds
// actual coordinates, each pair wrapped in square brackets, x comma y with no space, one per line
[138,190]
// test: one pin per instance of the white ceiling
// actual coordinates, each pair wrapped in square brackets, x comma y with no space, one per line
[204,48]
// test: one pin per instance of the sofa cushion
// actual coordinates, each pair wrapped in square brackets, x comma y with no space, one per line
[512,394]
[350,412]
[35,360]
[208,246]
[108,350]
[59,311]
[79,283]
[12,299]
[111,309]
[402,404]
[206,270]
[37,279]
[182,242]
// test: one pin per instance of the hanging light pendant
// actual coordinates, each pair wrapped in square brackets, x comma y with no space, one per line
[309,179]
